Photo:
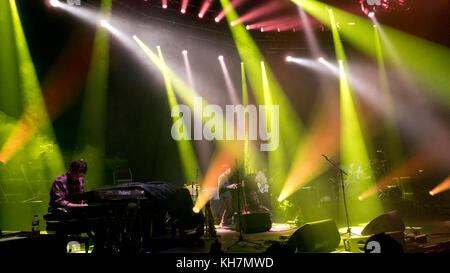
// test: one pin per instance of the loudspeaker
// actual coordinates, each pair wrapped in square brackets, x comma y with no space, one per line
[389,221]
[256,222]
[320,236]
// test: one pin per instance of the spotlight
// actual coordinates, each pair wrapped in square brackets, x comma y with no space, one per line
[330,10]
[351,23]
[278,29]
[183,11]
[104,23]
[220,58]
[184,52]
[200,15]
[195,209]
[247,27]
[164,6]
[232,24]
[217,19]
[54,3]
[431,193]
[288,58]
[371,14]
[321,60]
[262,29]
[360,198]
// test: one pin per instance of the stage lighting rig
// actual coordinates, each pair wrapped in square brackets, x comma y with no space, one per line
[374,6]
[104,23]
[54,3]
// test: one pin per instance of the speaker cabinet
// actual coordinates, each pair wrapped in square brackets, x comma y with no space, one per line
[387,222]
[320,236]
[256,222]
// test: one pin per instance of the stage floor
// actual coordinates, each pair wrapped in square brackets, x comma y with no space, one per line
[438,239]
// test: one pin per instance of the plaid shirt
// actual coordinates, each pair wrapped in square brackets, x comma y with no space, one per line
[63,190]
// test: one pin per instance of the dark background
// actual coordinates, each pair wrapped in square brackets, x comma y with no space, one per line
[138,114]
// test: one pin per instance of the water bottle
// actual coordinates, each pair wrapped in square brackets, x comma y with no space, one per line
[35,227]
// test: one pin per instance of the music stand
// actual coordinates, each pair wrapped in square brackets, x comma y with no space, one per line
[241,238]
[342,172]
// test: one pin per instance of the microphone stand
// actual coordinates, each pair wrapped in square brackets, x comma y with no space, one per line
[341,174]
[241,238]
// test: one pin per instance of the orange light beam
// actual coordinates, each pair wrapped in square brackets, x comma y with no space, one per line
[68,75]
[444,186]
[225,156]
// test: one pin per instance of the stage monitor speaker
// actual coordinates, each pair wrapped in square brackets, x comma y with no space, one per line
[389,221]
[320,236]
[256,222]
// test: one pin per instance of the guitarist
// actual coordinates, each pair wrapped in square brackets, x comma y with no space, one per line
[224,187]
[252,200]
[263,189]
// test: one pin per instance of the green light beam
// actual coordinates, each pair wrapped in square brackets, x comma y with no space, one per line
[427,61]
[35,114]
[185,149]
[91,138]
[289,123]
[353,146]
[393,142]
[10,101]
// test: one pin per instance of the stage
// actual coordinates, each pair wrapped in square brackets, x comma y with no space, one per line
[224,127]
[437,241]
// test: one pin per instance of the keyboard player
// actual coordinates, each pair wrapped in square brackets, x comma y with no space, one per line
[65,205]
[66,187]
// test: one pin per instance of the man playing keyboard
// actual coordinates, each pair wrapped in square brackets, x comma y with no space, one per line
[67,186]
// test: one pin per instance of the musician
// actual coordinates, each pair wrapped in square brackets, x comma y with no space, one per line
[263,189]
[253,195]
[67,186]
[63,202]
[261,182]
[225,196]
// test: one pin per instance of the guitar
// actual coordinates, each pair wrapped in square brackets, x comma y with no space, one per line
[263,187]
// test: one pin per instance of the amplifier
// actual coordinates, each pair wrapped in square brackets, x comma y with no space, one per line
[256,222]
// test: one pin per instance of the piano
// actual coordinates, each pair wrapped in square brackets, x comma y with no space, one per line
[130,215]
